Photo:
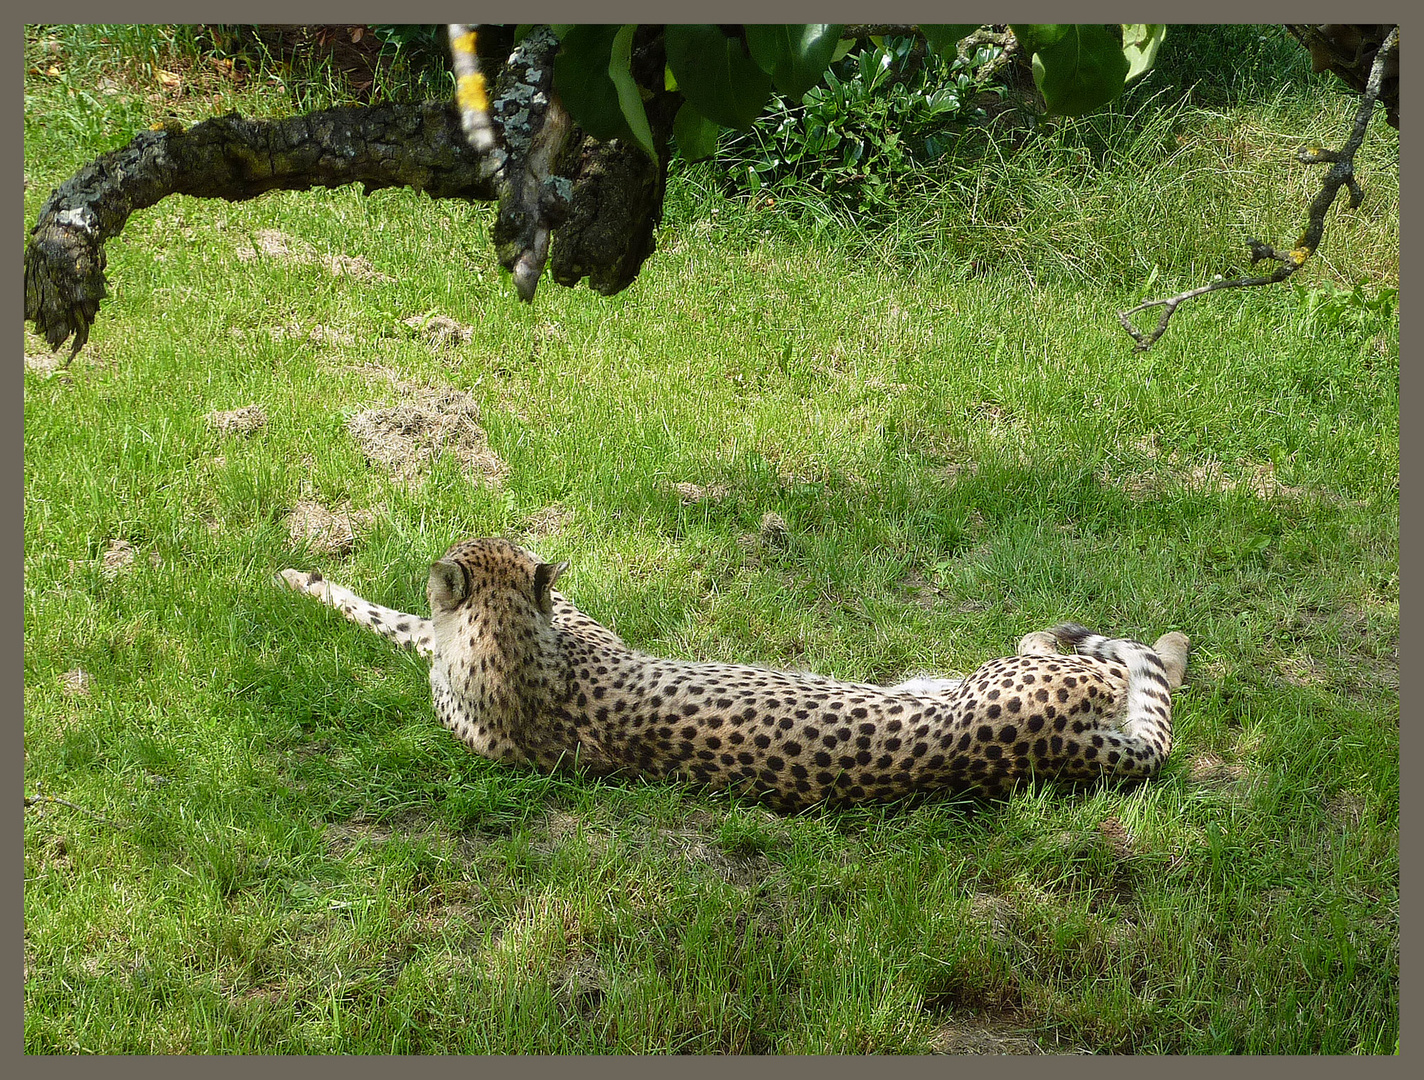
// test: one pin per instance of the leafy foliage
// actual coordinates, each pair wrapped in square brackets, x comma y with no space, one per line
[1077,68]
[727,73]
[885,113]
[1348,312]
[794,56]
[716,74]
[582,71]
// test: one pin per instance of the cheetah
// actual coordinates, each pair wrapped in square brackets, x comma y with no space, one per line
[520,675]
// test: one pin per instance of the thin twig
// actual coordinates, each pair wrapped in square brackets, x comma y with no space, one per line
[33,800]
[1341,174]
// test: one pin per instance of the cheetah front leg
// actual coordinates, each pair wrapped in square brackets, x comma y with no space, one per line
[407,631]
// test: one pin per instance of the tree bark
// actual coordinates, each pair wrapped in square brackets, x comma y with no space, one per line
[1348,50]
[616,193]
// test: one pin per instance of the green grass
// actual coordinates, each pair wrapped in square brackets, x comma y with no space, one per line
[278,849]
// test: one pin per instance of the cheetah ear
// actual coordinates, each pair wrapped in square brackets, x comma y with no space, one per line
[447,586]
[545,574]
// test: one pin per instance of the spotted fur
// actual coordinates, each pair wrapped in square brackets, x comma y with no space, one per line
[521,675]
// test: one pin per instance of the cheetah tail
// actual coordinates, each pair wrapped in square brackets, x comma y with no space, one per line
[1147,717]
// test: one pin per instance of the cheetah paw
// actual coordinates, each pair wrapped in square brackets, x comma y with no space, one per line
[303,581]
[1172,650]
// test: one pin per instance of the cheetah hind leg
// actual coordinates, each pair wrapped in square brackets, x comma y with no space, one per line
[1039,643]
[407,631]
[1152,674]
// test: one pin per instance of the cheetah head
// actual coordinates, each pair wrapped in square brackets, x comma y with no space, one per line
[494,574]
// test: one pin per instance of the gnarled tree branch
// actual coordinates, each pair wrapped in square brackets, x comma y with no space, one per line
[590,207]
[229,157]
[1341,174]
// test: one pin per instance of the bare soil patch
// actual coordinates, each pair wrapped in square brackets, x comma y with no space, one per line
[43,363]
[243,422]
[1118,840]
[327,532]
[275,244]
[440,331]
[407,438]
[920,589]
[1346,809]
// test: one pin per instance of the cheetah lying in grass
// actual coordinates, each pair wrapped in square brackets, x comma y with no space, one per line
[521,675]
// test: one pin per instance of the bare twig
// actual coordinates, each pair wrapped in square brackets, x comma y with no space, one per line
[39,800]
[1341,174]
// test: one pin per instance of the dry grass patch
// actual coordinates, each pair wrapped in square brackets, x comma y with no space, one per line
[76,682]
[327,532]
[117,558]
[120,556]
[407,438]
[1210,476]
[440,331]
[548,521]
[243,422]
[1209,768]
[275,244]
[986,1035]
[995,913]
[691,493]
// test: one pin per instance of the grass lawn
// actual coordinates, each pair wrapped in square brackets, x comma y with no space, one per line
[253,835]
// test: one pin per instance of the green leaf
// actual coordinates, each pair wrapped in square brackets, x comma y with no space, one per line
[716,74]
[583,82]
[944,40]
[794,55]
[1077,68]
[1035,36]
[630,101]
[696,135]
[1140,42]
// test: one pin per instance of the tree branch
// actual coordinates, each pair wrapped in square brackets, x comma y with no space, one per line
[228,157]
[590,208]
[1341,174]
